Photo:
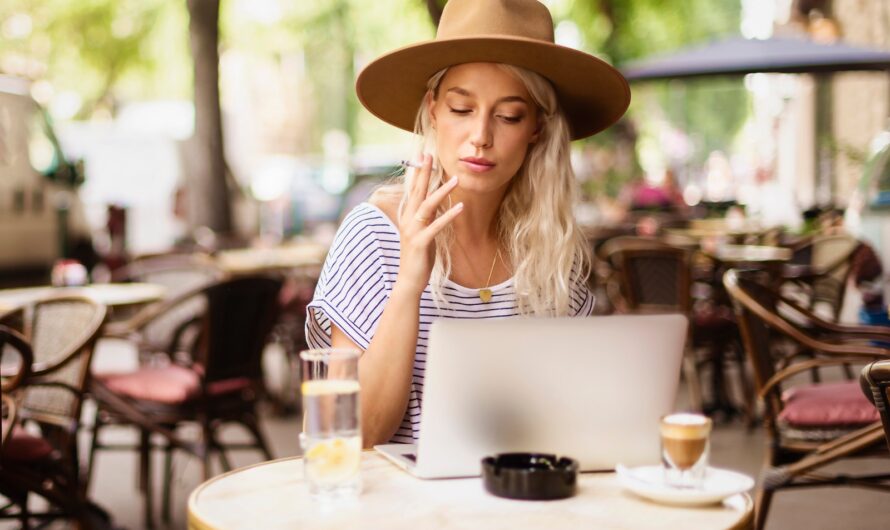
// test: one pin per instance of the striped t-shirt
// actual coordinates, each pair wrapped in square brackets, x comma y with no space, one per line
[357,279]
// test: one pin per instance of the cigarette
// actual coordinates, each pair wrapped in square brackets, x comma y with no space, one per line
[415,165]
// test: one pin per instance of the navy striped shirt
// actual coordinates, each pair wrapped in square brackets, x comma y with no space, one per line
[357,279]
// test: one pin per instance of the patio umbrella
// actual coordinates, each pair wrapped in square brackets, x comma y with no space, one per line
[739,56]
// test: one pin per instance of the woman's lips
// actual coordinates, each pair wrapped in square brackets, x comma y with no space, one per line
[477,165]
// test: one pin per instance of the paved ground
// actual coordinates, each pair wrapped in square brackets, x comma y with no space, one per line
[733,446]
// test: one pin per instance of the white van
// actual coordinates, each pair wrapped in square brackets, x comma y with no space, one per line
[41,216]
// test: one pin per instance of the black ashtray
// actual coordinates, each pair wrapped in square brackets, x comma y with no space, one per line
[530,476]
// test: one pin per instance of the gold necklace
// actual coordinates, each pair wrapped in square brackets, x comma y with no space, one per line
[484,292]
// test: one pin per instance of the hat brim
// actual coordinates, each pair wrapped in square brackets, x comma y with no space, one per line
[592,93]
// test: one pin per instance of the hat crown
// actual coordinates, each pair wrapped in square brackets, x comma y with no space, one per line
[511,18]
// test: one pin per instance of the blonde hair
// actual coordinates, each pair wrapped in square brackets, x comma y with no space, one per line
[536,225]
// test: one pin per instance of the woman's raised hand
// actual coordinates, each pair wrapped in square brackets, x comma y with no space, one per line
[418,226]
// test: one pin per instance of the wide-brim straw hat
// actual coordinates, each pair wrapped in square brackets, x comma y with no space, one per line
[592,94]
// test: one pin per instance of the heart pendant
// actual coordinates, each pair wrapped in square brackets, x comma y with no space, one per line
[485,295]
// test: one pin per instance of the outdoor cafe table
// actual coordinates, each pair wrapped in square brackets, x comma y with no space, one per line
[749,254]
[273,495]
[271,259]
[113,295]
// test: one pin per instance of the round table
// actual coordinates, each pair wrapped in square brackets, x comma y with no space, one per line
[273,495]
[109,294]
[741,254]
[271,259]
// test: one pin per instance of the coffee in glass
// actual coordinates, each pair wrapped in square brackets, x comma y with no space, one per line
[685,448]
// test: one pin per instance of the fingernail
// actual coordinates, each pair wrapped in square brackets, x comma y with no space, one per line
[453,180]
[459,206]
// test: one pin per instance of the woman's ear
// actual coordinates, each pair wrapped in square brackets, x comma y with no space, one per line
[430,103]
[537,134]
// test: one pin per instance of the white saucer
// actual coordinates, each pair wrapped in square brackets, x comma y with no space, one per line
[648,482]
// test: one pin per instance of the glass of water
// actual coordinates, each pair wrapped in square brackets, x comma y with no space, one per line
[332,435]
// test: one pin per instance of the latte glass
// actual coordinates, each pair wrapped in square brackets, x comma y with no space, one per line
[685,446]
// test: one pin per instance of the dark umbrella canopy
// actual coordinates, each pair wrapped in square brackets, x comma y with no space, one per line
[738,56]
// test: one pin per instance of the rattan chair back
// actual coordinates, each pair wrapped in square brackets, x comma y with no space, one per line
[62,332]
[240,316]
[653,276]
[15,374]
[875,382]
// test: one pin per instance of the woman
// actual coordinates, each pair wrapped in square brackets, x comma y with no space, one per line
[484,227]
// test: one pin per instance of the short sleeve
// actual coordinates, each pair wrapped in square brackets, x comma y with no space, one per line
[353,286]
[582,298]
[582,301]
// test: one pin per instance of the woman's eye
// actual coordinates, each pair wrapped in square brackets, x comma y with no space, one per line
[459,111]
[512,119]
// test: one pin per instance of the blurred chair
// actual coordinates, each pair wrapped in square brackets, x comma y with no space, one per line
[655,277]
[609,269]
[179,274]
[808,425]
[220,382]
[41,457]
[289,333]
[831,261]
[875,383]
[12,344]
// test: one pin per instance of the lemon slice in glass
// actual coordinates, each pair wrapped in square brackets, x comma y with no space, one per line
[334,460]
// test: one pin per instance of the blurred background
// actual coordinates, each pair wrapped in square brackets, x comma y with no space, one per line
[169,144]
[130,127]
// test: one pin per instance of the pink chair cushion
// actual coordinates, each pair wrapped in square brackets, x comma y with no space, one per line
[171,385]
[227,386]
[827,405]
[24,447]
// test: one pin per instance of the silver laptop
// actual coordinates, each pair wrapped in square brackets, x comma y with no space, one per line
[589,388]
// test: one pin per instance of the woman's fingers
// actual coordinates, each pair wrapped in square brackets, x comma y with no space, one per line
[442,221]
[427,209]
[420,182]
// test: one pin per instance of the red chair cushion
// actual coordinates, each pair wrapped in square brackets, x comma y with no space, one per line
[827,405]
[227,386]
[171,385]
[24,447]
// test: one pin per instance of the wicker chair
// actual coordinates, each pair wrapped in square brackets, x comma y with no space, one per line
[62,333]
[656,277]
[172,330]
[12,344]
[220,382]
[831,258]
[875,382]
[808,425]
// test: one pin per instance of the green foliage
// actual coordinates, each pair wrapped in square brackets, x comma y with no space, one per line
[89,46]
[710,111]
[113,50]
[333,39]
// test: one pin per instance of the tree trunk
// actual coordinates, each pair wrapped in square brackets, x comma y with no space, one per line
[208,194]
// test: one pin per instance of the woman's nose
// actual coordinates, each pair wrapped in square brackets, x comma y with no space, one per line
[481,136]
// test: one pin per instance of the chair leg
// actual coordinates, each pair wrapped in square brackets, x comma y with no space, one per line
[24,513]
[223,457]
[848,372]
[145,481]
[206,448]
[693,381]
[166,513]
[761,506]
[251,423]
[747,387]
[94,445]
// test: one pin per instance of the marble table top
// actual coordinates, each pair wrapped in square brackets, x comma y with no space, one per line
[273,495]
